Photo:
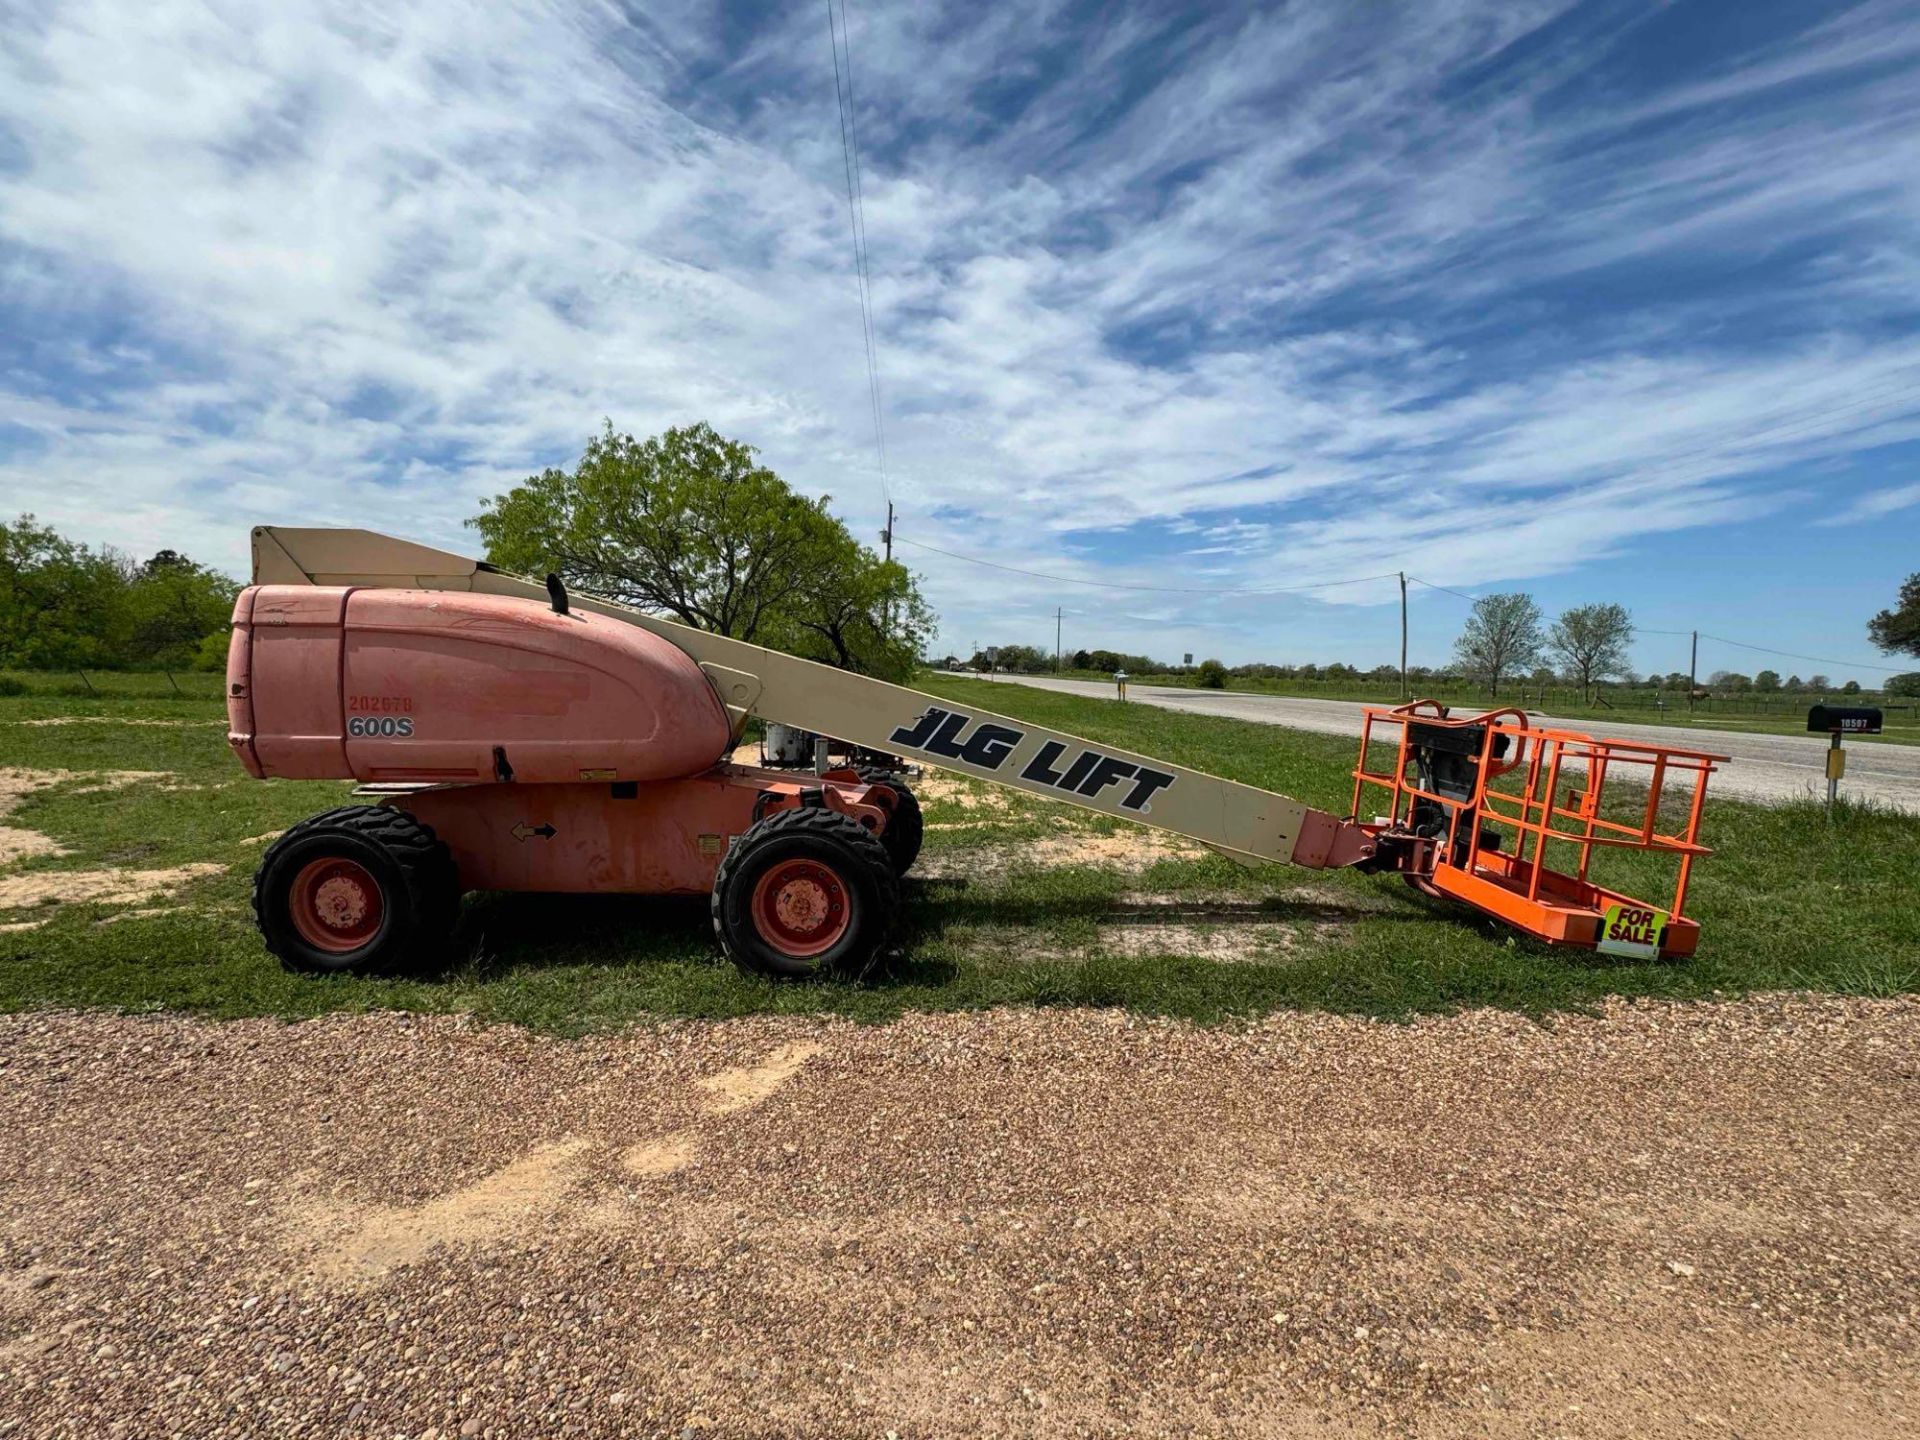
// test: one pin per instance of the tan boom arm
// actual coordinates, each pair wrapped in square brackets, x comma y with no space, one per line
[1249,824]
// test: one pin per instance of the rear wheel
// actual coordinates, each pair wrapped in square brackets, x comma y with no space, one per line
[905,827]
[805,892]
[358,890]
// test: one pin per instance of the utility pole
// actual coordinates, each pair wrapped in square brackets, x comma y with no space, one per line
[1693,670]
[886,539]
[1403,634]
[1056,640]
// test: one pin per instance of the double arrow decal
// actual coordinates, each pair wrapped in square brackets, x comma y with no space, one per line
[523,831]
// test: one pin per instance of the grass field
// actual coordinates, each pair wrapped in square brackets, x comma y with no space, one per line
[116,684]
[1753,714]
[1017,901]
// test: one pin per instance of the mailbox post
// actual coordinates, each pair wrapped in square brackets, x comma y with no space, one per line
[1839,721]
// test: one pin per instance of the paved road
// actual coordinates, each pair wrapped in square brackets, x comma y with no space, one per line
[1765,767]
[1691,1220]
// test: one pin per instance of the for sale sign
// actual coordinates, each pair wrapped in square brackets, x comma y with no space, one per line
[1632,930]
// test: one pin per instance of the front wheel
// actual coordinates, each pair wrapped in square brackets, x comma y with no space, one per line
[360,890]
[803,893]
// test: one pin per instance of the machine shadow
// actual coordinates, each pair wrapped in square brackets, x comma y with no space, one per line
[501,932]
[504,931]
[935,906]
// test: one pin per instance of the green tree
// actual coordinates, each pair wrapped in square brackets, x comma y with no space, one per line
[1767,681]
[1907,685]
[211,654]
[1590,642]
[689,525]
[1897,630]
[1022,659]
[1213,675]
[174,606]
[1502,635]
[62,605]
[1852,687]
[857,612]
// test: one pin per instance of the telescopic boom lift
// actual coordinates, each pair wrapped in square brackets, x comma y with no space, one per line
[510,735]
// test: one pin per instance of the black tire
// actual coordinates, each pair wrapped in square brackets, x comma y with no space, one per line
[905,831]
[835,862]
[403,924]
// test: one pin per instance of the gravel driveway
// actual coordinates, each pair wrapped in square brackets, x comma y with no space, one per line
[1664,1220]
[1765,767]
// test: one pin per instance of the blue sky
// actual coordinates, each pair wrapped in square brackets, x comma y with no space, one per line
[1600,301]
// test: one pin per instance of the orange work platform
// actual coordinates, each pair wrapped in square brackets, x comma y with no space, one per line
[1494,801]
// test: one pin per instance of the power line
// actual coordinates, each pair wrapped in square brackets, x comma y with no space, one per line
[1717,639]
[1475,599]
[1791,655]
[841,39]
[1151,589]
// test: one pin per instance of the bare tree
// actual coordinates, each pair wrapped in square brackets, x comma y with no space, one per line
[1590,642]
[1502,635]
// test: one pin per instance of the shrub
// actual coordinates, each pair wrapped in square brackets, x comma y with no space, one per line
[12,685]
[1213,675]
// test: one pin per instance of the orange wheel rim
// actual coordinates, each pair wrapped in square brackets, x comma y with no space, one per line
[801,907]
[336,904]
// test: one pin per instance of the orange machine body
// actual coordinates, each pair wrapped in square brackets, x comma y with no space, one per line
[550,751]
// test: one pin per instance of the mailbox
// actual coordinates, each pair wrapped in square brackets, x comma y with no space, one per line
[1844,720]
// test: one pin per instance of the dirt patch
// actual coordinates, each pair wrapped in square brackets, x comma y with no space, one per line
[145,912]
[1230,944]
[17,783]
[19,843]
[105,886]
[962,792]
[660,1157]
[99,887]
[362,1244]
[531,1191]
[1131,850]
[732,1090]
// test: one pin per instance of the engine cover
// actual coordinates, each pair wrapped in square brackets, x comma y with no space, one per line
[336,682]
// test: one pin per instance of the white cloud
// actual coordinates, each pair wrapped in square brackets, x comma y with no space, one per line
[363,264]
[1875,504]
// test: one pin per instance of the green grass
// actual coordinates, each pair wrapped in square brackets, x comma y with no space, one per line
[1789,902]
[115,685]
[1752,714]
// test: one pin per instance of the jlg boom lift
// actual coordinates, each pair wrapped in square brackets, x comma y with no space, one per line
[512,737]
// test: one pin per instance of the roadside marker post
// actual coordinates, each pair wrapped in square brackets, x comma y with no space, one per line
[1120,682]
[1839,721]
